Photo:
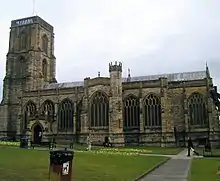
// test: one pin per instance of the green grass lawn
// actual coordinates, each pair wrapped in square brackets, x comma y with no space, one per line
[32,165]
[204,169]
[214,151]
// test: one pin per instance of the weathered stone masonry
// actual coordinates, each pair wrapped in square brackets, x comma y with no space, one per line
[153,110]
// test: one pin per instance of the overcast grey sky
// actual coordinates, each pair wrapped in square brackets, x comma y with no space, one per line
[148,36]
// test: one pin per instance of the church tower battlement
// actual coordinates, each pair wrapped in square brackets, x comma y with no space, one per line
[115,67]
[115,71]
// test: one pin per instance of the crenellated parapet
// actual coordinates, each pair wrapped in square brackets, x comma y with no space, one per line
[117,66]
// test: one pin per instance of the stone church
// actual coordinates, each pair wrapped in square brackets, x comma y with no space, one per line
[153,110]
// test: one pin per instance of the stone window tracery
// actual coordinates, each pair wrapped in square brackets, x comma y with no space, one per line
[131,112]
[65,115]
[99,110]
[152,111]
[30,112]
[48,109]
[45,44]
[197,110]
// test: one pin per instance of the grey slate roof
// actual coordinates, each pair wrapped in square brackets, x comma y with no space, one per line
[171,77]
[185,76]
[63,85]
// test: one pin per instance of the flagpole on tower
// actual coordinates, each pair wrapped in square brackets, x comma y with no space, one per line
[34,8]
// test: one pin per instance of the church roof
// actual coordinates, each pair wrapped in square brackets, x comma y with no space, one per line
[185,76]
[63,85]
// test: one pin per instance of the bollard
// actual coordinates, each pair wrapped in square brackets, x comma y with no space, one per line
[61,165]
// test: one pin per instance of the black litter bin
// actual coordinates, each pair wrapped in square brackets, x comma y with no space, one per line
[24,143]
[61,165]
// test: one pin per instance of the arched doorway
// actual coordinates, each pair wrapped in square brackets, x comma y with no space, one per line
[37,134]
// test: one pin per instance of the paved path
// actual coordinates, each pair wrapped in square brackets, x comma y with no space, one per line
[176,169]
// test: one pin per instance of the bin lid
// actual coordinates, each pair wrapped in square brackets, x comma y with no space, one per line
[61,156]
[61,152]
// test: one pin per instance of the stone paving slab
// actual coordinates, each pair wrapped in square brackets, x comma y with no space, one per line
[175,169]
[164,178]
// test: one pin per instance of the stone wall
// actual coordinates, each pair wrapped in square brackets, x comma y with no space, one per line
[173,97]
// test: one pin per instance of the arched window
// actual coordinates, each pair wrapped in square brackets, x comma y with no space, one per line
[45,44]
[30,112]
[65,115]
[99,109]
[47,109]
[152,111]
[44,69]
[131,112]
[22,41]
[19,67]
[197,110]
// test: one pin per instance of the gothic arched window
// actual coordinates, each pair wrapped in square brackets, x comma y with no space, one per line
[44,69]
[131,112]
[47,109]
[30,112]
[99,109]
[65,115]
[197,110]
[45,44]
[22,41]
[152,111]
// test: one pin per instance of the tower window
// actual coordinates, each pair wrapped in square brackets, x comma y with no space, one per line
[45,44]
[22,41]
[44,69]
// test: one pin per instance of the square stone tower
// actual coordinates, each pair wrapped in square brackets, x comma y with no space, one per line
[116,103]
[30,64]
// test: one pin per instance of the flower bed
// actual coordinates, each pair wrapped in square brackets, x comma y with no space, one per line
[118,151]
[127,150]
[9,143]
[108,152]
